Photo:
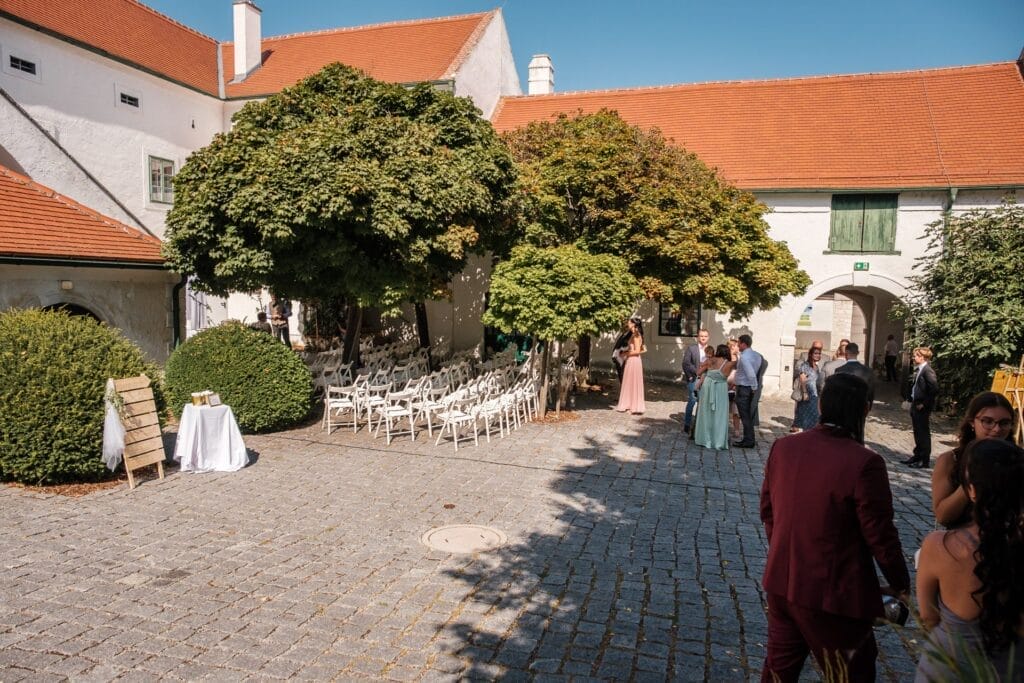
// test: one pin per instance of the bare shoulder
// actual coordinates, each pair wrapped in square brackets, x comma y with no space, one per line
[948,547]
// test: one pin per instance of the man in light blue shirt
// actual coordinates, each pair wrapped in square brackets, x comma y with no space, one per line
[746,386]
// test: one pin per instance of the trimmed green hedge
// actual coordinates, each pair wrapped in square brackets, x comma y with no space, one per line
[54,369]
[266,384]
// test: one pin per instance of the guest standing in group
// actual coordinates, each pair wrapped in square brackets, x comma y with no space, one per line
[805,415]
[969,591]
[923,393]
[712,427]
[746,386]
[280,311]
[828,368]
[827,512]
[631,394]
[853,366]
[989,416]
[261,324]
[892,354]
[693,359]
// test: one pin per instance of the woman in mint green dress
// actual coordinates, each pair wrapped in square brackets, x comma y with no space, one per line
[712,430]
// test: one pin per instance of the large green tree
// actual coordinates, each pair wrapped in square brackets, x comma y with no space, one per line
[687,235]
[559,293]
[967,301]
[342,187]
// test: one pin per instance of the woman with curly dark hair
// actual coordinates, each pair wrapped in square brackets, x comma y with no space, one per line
[989,416]
[969,589]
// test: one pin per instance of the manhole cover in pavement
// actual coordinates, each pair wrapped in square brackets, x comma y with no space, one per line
[463,538]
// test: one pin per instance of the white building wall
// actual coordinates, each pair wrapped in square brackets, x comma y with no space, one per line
[489,71]
[138,302]
[76,98]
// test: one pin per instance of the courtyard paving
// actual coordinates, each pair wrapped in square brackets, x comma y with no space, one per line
[632,555]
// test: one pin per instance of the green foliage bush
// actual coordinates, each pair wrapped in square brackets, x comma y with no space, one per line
[266,384]
[55,369]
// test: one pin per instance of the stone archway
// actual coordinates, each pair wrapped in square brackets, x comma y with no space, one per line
[73,310]
[880,289]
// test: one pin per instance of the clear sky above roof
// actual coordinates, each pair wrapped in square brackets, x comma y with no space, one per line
[598,44]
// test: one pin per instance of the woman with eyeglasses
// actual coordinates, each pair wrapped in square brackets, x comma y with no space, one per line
[969,592]
[989,416]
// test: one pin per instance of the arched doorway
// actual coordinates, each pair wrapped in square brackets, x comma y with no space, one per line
[853,306]
[73,309]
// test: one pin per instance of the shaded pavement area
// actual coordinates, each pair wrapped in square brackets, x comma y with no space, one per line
[632,554]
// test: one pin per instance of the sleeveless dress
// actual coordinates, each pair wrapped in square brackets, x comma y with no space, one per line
[712,430]
[959,640]
[631,394]
[806,416]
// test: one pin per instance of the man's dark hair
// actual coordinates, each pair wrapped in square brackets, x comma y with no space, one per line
[852,349]
[844,402]
[745,339]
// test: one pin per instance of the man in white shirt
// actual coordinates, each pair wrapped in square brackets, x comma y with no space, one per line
[747,367]
[892,354]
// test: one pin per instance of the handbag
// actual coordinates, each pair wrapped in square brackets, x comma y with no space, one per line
[799,393]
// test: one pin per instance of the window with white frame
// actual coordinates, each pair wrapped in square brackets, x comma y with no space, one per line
[161,184]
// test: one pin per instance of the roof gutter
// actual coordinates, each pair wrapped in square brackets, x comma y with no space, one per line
[80,263]
[890,188]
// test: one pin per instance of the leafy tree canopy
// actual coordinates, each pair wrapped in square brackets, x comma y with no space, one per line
[560,293]
[687,235]
[968,297]
[341,186]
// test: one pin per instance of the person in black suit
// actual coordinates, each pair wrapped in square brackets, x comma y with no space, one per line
[852,366]
[923,393]
[619,351]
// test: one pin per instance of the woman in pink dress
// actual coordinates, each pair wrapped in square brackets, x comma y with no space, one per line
[631,394]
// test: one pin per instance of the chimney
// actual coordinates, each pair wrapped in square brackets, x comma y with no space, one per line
[542,76]
[248,40]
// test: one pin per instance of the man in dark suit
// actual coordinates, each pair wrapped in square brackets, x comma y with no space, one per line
[923,393]
[827,511]
[693,358]
[854,367]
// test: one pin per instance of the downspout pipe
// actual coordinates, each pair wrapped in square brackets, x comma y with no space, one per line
[176,311]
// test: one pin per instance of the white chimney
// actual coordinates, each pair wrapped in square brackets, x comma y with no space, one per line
[542,76]
[248,39]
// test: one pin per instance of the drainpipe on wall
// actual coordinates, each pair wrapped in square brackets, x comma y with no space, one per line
[947,211]
[176,311]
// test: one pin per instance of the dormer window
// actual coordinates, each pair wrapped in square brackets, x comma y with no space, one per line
[23,65]
[130,100]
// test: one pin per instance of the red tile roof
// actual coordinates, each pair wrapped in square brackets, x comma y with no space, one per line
[37,222]
[128,31]
[400,52]
[958,127]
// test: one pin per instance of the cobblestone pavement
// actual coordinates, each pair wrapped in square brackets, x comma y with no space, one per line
[632,555]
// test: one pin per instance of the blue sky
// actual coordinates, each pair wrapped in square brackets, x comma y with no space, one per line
[604,44]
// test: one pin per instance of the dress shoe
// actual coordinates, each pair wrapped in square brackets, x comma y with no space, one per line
[919,465]
[741,444]
[908,461]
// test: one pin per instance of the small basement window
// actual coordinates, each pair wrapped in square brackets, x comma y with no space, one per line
[23,65]
[130,100]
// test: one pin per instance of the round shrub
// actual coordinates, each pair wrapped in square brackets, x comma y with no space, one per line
[55,368]
[266,384]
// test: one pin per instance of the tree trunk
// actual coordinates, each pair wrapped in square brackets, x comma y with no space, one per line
[544,363]
[423,330]
[559,378]
[583,359]
[353,323]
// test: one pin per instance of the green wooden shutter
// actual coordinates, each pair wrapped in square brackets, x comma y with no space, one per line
[879,222]
[847,222]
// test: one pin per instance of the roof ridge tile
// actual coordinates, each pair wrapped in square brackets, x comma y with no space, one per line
[364,27]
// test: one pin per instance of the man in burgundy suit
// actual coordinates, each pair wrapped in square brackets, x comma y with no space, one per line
[827,510]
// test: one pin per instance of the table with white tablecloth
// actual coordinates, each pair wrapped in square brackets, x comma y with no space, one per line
[209,440]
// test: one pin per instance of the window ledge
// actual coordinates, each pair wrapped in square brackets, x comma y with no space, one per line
[861,253]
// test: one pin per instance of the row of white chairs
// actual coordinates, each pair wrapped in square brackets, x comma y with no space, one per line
[492,398]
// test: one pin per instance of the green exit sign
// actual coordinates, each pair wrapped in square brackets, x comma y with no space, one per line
[861,265]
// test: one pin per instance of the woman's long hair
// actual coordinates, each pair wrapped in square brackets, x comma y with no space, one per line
[995,468]
[844,402]
[986,399]
[638,323]
[723,352]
